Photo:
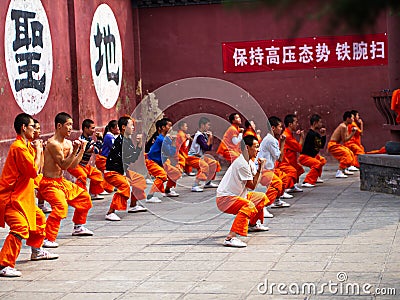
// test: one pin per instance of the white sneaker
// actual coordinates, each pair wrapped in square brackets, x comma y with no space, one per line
[10,272]
[49,244]
[267,214]
[43,255]
[294,189]
[192,174]
[320,180]
[81,231]
[286,196]
[258,227]
[339,174]
[113,217]
[210,185]
[234,242]
[353,169]
[347,172]
[196,189]
[171,193]
[279,204]
[307,185]
[149,181]
[136,209]
[153,199]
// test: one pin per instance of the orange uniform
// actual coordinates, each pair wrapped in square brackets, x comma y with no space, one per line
[61,193]
[227,148]
[167,173]
[354,144]
[289,163]
[17,202]
[101,165]
[275,181]
[395,104]
[249,209]
[343,154]
[81,173]
[250,131]
[124,184]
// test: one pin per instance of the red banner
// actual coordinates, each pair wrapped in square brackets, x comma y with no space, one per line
[305,53]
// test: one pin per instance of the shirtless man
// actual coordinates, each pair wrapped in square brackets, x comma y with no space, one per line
[61,154]
[338,150]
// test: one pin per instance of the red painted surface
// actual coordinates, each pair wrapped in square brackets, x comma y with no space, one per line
[62,92]
[182,42]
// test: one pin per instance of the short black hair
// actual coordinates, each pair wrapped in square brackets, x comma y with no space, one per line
[289,119]
[248,140]
[247,124]
[347,114]
[232,117]
[164,122]
[86,123]
[158,124]
[123,121]
[354,112]
[203,120]
[274,121]
[61,118]
[314,118]
[21,119]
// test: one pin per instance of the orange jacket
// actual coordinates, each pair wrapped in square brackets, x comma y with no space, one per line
[396,104]
[291,149]
[226,142]
[17,181]
[182,146]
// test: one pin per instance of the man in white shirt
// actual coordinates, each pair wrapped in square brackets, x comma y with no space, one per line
[233,196]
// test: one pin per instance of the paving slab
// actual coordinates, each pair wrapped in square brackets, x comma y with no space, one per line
[174,251]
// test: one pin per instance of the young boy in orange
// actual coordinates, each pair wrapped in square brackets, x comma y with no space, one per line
[250,129]
[229,147]
[289,163]
[207,166]
[159,166]
[354,144]
[84,170]
[233,196]
[61,154]
[121,155]
[309,157]
[183,140]
[41,202]
[338,150]
[17,199]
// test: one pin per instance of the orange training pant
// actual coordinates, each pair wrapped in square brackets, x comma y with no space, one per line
[357,150]
[19,229]
[291,173]
[124,184]
[60,193]
[101,165]
[342,154]
[169,174]
[83,172]
[275,186]
[246,210]
[315,164]
[229,154]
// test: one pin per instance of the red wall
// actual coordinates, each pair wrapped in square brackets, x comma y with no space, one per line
[63,94]
[180,42]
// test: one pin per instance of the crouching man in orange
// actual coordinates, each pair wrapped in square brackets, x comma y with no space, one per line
[340,152]
[309,157]
[17,199]
[61,154]
[159,165]
[121,155]
[233,196]
[354,144]
[230,143]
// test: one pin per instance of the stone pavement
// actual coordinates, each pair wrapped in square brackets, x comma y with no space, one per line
[330,233]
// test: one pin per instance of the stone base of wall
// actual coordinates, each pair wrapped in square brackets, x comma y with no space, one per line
[380,173]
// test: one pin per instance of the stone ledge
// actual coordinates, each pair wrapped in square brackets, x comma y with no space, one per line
[380,173]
